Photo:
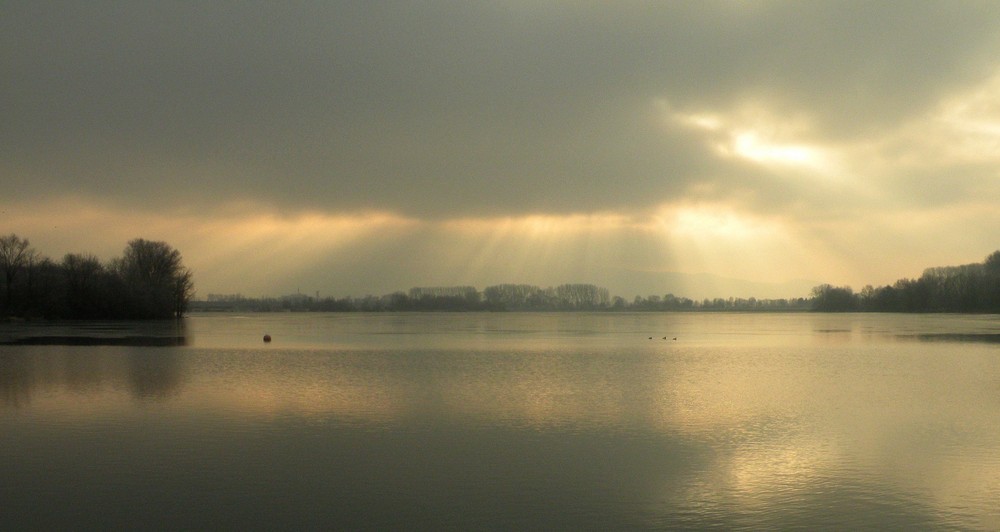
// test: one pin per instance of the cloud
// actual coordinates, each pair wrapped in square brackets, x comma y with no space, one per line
[447,107]
[818,120]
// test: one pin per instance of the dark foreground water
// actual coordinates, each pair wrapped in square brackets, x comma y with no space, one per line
[503,421]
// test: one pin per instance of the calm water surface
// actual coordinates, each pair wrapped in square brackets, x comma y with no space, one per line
[503,421]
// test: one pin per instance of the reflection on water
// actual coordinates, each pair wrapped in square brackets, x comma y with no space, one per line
[153,333]
[511,421]
[990,338]
[56,371]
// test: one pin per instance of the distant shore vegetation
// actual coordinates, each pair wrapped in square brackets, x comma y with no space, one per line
[498,298]
[149,281]
[970,288]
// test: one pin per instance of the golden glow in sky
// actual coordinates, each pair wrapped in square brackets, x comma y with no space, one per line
[355,151]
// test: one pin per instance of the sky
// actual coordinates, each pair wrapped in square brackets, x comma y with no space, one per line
[705,149]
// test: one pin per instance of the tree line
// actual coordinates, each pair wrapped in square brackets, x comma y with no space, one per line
[449,298]
[501,297]
[149,281]
[972,288]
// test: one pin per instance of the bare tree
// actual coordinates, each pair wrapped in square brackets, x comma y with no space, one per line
[15,255]
[159,284]
[84,275]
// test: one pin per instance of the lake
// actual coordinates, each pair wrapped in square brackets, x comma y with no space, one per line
[503,421]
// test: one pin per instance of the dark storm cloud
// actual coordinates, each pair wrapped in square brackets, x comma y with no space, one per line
[450,108]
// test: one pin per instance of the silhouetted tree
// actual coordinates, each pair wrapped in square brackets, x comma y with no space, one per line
[582,296]
[965,288]
[157,283]
[86,286]
[511,296]
[15,255]
[149,281]
[992,263]
[828,298]
[44,288]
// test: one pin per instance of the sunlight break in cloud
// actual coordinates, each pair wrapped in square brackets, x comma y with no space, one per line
[755,134]
[750,145]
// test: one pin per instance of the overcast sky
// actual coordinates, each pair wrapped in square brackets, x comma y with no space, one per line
[649,147]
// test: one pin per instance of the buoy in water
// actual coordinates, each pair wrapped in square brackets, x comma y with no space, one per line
[267,338]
